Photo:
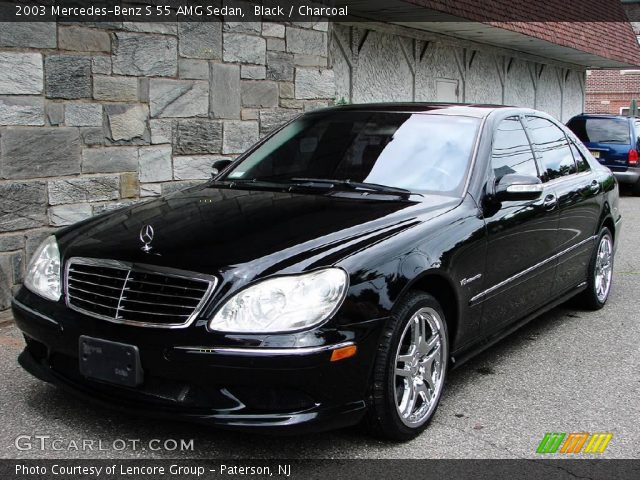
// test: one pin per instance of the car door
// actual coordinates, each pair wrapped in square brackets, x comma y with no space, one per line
[521,235]
[579,212]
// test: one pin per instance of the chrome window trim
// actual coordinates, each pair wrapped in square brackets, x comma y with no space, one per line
[518,275]
[262,351]
[141,267]
[474,156]
[564,178]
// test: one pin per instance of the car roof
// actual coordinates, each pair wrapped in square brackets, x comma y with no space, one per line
[602,115]
[467,109]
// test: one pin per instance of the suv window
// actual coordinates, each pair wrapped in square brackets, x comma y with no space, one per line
[636,142]
[511,150]
[552,146]
[600,130]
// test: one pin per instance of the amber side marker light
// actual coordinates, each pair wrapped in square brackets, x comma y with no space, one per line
[344,352]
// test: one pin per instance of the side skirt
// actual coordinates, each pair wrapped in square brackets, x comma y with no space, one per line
[461,357]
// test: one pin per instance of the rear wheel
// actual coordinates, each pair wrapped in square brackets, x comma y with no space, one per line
[410,369]
[600,273]
[635,189]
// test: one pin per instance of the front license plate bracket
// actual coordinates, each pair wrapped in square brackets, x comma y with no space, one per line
[111,362]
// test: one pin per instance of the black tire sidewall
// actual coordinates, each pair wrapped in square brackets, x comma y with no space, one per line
[595,303]
[391,425]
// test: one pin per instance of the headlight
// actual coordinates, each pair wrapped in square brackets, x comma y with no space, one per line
[283,304]
[43,272]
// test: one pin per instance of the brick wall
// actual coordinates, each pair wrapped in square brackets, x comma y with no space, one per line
[609,90]
[94,117]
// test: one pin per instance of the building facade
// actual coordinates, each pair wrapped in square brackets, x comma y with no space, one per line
[612,91]
[94,117]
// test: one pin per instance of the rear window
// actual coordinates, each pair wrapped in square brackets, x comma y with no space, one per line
[601,130]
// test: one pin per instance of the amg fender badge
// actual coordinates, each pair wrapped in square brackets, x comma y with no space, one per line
[466,281]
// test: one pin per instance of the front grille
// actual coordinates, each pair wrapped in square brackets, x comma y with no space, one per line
[135,294]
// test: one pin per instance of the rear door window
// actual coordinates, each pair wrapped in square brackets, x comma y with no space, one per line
[581,161]
[552,146]
[601,130]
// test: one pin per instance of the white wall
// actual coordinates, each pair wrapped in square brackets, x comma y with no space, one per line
[372,66]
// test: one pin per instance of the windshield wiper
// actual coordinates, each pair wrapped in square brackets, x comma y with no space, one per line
[330,183]
[250,181]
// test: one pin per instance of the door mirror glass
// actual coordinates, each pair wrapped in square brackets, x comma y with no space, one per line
[218,166]
[518,187]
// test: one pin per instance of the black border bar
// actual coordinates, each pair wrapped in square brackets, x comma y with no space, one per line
[486,11]
[551,469]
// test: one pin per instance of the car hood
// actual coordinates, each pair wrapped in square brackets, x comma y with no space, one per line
[208,230]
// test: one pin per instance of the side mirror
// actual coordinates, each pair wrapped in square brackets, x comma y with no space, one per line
[218,166]
[517,187]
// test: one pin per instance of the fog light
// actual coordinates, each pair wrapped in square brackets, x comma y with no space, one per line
[344,352]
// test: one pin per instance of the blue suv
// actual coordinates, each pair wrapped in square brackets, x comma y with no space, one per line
[614,140]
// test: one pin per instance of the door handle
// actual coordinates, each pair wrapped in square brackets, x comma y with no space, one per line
[595,186]
[550,202]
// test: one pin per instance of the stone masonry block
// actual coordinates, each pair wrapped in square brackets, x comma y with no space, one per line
[21,73]
[23,150]
[144,54]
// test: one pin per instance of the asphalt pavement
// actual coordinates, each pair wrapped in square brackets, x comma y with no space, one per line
[568,371]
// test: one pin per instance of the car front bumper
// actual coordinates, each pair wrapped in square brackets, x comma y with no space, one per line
[291,389]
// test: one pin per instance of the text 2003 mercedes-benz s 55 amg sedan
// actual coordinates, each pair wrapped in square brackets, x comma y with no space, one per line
[330,275]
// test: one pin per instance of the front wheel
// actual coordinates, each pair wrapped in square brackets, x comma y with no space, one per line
[600,273]
[410,369]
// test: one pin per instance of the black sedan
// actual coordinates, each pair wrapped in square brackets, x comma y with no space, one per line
[329,276]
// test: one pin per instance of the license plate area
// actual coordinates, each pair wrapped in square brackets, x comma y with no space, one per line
[109,361]
[595,153]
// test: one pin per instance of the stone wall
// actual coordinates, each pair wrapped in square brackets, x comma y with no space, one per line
[93,117]
[395,64]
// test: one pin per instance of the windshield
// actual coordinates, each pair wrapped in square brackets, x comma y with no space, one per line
[601,130]
[416,152]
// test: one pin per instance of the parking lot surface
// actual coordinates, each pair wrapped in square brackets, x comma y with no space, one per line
[568,371]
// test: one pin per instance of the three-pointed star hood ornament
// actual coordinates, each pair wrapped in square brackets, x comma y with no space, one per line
[146,237]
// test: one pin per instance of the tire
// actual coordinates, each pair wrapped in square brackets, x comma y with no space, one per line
[595,296]
[419,316]
[635,189]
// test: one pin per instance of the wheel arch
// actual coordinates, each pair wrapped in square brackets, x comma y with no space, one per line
[610,224]
[437,284]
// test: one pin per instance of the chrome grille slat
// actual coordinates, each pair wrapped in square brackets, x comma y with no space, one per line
[96,284]
[93,293]
[134,300]
[97,275]
[127,289]
[110,307]
[141,295]
[134,280]
[142,312]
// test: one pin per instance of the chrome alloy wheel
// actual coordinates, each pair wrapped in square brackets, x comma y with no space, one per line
[604,268]
[419,367]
